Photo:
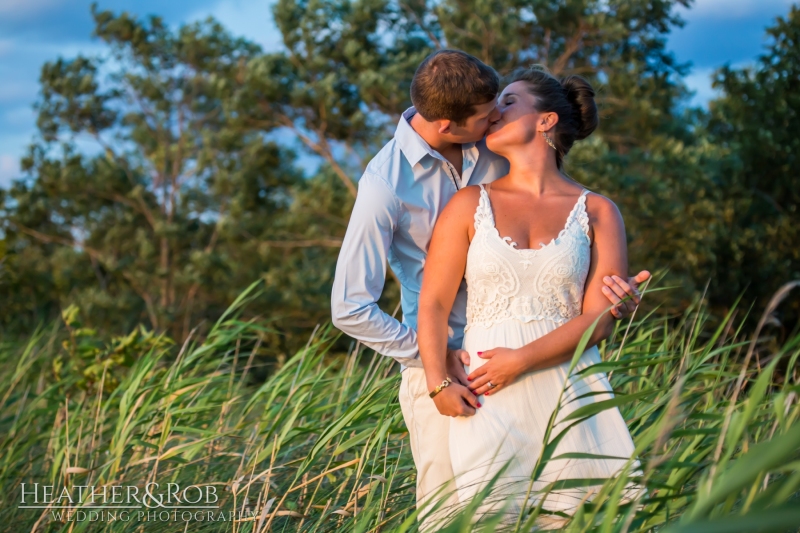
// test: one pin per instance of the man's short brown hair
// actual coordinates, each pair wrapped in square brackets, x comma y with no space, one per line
[449,84]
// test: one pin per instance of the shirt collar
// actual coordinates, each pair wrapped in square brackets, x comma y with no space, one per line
[412,145]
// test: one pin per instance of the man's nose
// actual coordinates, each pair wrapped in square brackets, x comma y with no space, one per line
[495,115]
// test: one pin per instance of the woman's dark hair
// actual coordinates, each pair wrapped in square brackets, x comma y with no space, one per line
[571,98]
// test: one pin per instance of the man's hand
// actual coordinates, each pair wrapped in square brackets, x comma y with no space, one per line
[617,289]
[456,359]
[456,400]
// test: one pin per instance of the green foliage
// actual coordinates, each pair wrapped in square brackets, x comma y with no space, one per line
[756,119]
[321,445]
[192,190]
[97,364]
[169,220]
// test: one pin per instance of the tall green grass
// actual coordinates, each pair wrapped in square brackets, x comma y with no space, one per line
[321,444]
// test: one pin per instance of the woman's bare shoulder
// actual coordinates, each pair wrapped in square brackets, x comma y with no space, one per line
[600,206]
[465,200]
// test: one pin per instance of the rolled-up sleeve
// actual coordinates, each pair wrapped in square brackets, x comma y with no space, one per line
[361,274]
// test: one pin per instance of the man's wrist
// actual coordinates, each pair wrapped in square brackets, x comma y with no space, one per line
[436,378]
[440,387]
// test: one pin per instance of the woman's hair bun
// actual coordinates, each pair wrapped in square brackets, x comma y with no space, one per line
[581,96]
[571,98]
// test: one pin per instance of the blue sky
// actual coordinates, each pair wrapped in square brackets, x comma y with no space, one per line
[35,31]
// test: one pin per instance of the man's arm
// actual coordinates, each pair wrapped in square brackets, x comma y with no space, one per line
[361,274]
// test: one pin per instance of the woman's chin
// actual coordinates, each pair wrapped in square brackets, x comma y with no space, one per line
[493,139]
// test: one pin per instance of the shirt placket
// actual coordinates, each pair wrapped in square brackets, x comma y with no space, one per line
[451,171]
[469,158]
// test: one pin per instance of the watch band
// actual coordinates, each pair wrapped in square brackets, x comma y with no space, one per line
[439,388]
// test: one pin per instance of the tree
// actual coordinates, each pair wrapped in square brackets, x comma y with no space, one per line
[174,181]
[345,75]
[192,191]
[757,120]
[188,200]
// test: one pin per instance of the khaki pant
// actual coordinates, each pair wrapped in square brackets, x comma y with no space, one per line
[429,433]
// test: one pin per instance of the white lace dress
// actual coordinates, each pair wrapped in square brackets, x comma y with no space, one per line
[514,297]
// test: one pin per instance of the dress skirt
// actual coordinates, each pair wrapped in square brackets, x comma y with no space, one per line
[509,428]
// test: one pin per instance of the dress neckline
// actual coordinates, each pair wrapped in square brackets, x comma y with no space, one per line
[580,202]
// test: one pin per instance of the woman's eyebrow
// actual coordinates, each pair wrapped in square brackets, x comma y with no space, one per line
[509,94]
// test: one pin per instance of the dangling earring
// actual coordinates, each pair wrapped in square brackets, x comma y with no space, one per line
[549,140]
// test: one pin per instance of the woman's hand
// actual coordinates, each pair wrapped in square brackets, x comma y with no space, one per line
[504,367]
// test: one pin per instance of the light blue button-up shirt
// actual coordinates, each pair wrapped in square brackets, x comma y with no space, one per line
[401,194]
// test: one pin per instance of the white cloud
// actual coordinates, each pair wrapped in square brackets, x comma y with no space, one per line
[6,46]
[14,140]
[23,8]
[699,81]
[50,51]
[21,117]
[13,91]
[9,169]
[246,18]
[730,9]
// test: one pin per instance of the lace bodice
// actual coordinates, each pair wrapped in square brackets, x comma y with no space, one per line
[545,283]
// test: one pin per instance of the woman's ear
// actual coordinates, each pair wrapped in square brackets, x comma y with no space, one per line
[548,121]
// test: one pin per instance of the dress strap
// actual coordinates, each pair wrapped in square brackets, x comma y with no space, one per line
[579,212]
[483,213]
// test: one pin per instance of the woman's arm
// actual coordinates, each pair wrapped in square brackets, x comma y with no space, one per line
[609,258]
[444,270]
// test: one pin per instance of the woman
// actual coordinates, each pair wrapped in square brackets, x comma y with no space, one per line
[534,247]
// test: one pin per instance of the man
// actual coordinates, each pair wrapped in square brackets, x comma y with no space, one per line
[437,149]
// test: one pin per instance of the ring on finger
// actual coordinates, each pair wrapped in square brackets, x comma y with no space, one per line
[491,385]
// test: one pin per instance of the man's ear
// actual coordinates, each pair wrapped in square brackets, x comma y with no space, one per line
[444,126]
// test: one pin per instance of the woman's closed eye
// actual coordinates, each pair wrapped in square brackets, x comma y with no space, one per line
[507,102]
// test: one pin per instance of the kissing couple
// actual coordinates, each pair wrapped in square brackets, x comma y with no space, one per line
[504,262]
